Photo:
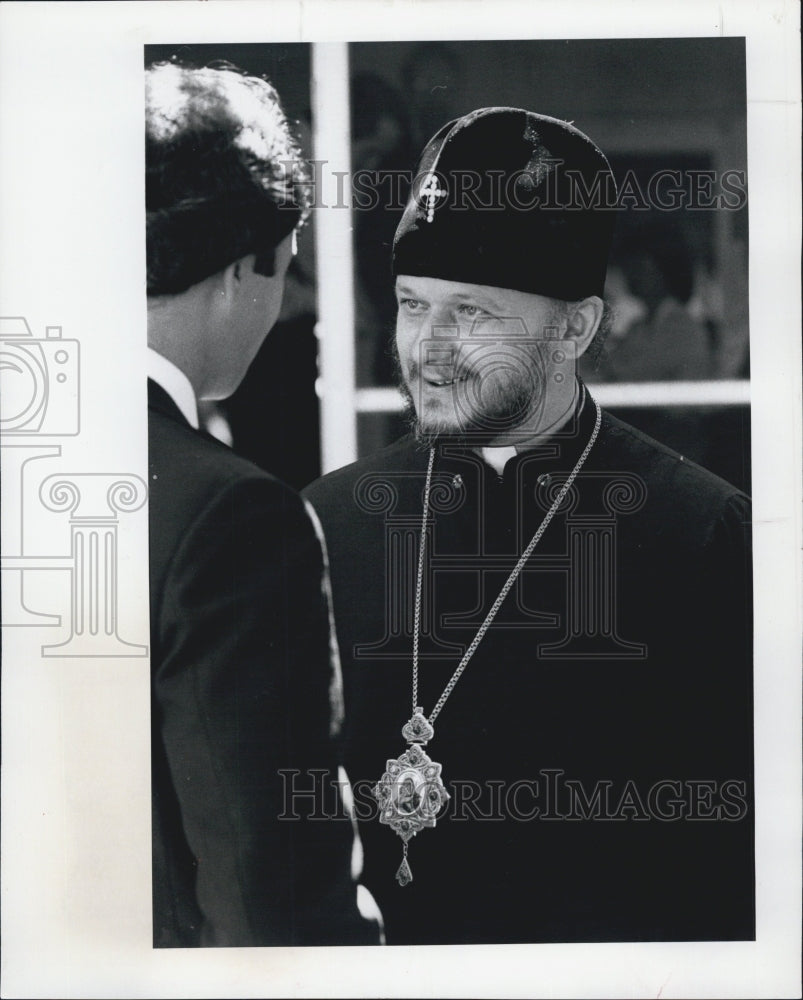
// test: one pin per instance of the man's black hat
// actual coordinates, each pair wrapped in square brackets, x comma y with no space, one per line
[512,199]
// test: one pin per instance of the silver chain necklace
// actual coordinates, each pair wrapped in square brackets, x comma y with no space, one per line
[411,793]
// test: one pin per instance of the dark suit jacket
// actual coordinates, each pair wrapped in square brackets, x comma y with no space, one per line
[243,687]
[598,747]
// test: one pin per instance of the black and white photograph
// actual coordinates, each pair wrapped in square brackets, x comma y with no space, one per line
[586,568]
[411,557]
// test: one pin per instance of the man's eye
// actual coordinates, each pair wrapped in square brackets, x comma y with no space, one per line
[411,305]
[471,312]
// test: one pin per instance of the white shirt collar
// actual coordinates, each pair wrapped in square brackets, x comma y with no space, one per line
[175,383]
[498,458]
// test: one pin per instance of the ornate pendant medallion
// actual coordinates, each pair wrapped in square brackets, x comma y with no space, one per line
[411,793]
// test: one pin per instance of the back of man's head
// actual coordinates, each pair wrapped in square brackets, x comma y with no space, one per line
[224,176]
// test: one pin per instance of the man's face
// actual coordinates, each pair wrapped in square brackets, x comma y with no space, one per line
[254,308]
[260,296]
[479,362]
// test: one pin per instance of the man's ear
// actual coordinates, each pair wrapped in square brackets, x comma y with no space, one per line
[227,284]
[582,322]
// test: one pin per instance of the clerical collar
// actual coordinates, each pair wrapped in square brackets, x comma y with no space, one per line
[176,384]
[498,458]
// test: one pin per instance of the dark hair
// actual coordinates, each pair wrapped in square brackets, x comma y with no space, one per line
[224,175]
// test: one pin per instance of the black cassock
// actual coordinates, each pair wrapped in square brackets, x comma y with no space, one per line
[598,748]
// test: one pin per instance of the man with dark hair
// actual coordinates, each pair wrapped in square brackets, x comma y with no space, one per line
[544,615]
[245,677]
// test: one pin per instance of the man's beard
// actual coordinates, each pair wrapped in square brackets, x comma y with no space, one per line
[514,408]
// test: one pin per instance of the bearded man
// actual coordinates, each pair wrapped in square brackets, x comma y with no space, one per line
[544,616]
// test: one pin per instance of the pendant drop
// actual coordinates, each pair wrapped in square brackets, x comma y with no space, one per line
[404,875]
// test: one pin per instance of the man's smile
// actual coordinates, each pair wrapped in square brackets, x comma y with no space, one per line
[440,383]
[438,376]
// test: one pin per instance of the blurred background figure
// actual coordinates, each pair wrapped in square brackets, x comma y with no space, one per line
[720,300]
[658,337]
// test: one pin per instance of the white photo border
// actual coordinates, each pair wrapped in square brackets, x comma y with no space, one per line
[76,864]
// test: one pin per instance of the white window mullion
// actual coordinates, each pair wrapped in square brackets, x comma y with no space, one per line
[335,329]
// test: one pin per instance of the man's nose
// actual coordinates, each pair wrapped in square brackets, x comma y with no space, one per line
[443,318]
[443,324]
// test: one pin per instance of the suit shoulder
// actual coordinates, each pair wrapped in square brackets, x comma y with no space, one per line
[333,488]
[193,477]
[187,457]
